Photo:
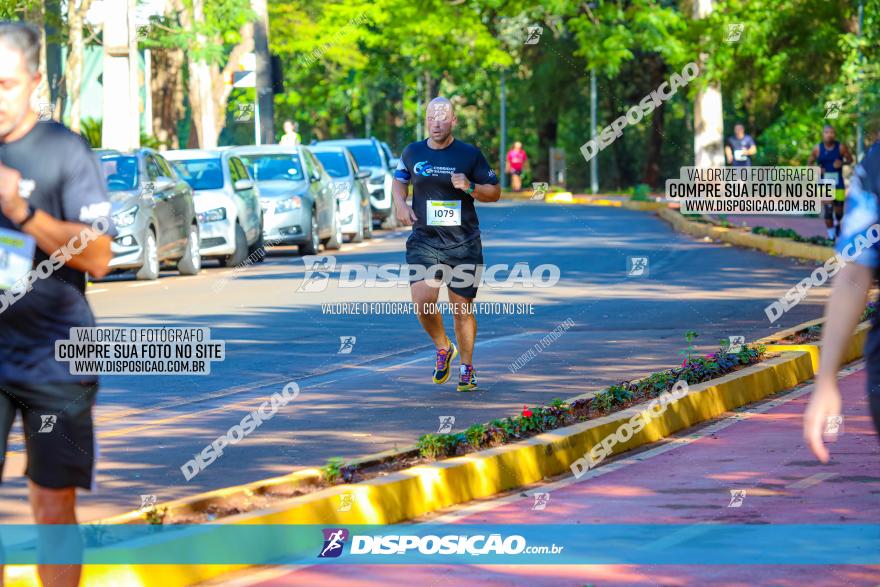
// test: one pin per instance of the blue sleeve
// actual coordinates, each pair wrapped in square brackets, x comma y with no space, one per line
[482,173]
[402,173]
[861,215]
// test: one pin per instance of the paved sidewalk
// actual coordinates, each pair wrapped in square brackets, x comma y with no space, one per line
[684,482]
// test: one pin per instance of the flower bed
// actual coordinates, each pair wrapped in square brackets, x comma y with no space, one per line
[813,334]
[793,235]
[530,422]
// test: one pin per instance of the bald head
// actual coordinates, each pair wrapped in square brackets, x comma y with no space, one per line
[440,119]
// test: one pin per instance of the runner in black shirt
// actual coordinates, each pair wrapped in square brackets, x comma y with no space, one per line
[447,176]
[51,190]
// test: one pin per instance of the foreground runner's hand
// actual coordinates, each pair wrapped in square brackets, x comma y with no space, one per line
[824,403]
[12,205]
[460,181]
[405,214]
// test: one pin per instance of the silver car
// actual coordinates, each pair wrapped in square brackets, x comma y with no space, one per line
[296,194]
[227,203]
[350,187]
[153,212]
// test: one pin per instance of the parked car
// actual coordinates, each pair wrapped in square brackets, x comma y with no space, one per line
[227,203]
[370,155]
[154,214]
[350,187]
[296,195]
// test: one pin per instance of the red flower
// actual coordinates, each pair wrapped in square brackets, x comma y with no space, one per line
[527,413]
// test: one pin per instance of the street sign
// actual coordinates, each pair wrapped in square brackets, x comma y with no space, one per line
[244,79]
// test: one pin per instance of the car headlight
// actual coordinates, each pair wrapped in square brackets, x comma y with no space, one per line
[125,218]
[212,215]
[289,204]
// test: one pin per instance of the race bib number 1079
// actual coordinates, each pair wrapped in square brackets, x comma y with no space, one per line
[444,212]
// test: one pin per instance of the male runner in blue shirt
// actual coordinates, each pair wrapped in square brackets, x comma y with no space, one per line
[447,176]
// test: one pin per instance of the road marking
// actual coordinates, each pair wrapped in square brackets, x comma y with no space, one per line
[144,284]
[811,480]
[91,291]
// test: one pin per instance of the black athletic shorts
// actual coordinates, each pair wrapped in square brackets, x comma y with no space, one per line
[516,172]
[58,433]
[421,254]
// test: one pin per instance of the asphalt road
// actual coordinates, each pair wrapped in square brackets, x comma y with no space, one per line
[380,396]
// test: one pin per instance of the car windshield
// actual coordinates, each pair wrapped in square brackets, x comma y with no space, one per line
[276,166]
[334,163]
[200,174]
[120,173]
[365,155]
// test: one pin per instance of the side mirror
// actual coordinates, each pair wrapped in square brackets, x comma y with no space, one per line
[315,178]
[362,174]
[243,184]
[393,163]
[161,184]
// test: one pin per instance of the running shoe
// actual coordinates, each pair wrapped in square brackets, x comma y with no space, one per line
[467,378]
[444,360]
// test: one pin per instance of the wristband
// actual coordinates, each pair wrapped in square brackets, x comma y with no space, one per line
[471,189]
[30,215]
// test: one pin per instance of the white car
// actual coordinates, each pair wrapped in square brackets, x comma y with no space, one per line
[227,203]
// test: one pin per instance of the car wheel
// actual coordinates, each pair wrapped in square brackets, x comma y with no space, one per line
[257,251]
[191,262]
[311,247]
[335,242]
[358,237]
[241,248]
[150,269]
[367,218]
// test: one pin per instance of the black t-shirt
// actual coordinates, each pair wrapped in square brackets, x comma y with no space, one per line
[68,185]
[446,215]
[738,146]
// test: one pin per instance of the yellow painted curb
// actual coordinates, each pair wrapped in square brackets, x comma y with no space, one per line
[641,206]
[775,246]
[422,489]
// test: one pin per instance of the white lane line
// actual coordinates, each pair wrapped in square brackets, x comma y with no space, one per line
[811,480]
[145,284]
[615,465]
[90,290]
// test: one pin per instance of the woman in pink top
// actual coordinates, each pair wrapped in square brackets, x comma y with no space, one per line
[516,160]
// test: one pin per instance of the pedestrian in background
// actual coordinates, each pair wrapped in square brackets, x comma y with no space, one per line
[740,147]
[291,135]
[516,161]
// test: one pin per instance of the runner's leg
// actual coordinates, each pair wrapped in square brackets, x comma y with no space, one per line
[56,506]
[465,327]
[432,321]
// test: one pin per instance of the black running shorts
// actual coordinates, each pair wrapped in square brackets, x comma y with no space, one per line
[58,433]
[470,253]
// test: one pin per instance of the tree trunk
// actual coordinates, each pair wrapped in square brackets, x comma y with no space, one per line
[167,90]
[654,146]
[73,76]
[708,114]
[546,139]
[36,15]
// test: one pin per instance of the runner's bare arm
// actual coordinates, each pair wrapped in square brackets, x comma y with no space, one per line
[484,192]
[843,309]
[50,233]
[729,154]
[846,154]
[403,211]
[814,154]
[487,192]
